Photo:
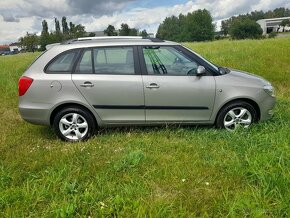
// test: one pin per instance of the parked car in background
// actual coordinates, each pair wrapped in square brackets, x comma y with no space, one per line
[82,84]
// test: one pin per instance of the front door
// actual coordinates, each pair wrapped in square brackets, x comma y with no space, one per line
[109,79]
[173,92]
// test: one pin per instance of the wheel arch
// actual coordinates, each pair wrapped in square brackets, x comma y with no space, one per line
[65,105]
[249,101]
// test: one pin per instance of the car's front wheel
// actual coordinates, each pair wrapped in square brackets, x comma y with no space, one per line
[238,114]
[74,124]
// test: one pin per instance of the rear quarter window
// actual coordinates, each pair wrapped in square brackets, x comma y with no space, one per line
[62,63]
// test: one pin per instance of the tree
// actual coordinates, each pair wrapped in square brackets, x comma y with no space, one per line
[245,29]
[57,26]
[257,15]
[57,35]
[225,26]
[71,27]
[285,23]
[195,26]
[65,29]
[125,30]
[44,27]
[171,28]
[78,31]
[143,33]
[44,38]
[200,26]
[92,35]
[281,12]
[110,31]
[133,32]
[29,42]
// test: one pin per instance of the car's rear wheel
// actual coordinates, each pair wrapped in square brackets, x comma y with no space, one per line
[74,124]
[238,114]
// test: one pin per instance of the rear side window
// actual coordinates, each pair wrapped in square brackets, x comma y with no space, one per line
[63,63]
[111,60]
[117,60]
[84,65]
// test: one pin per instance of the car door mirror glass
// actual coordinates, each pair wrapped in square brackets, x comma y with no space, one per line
[200,71]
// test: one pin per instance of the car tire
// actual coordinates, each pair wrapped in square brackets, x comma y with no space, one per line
[74,124]
[236,114]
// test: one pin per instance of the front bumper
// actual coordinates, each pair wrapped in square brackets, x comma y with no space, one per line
[266,108]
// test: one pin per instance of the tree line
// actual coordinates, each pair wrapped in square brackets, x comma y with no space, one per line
[198,25]
[62,32]
[125,30]
[66,31]
[194,26]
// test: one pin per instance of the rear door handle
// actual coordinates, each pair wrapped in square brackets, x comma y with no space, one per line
[153,86]
[87,84]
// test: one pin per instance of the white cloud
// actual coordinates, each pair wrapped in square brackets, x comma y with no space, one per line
[26,15]
[150,18]
[10,32]
[141,18]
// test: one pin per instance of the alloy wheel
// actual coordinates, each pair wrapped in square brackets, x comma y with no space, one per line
[237,117]
[73,126]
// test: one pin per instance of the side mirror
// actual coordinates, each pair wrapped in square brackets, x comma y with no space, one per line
[200,71]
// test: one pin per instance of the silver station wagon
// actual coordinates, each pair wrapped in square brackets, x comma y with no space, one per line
[82,84]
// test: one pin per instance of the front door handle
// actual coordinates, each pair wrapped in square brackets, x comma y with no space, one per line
[153,86]
[87,84]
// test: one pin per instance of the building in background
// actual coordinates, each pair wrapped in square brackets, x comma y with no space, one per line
[13,48]
[272,25]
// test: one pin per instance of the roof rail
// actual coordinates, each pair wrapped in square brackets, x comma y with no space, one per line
[108,37]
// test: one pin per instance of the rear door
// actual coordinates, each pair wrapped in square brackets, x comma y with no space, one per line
[173,91]
[109,78]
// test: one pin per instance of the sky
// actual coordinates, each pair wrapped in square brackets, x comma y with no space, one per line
[20,16]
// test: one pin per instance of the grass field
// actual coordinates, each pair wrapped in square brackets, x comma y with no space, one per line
[156,171]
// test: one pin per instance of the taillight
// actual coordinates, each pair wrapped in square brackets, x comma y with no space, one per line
[23,85]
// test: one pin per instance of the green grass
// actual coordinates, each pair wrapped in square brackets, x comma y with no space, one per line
[156,171]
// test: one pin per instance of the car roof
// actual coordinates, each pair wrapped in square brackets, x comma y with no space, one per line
[111,41]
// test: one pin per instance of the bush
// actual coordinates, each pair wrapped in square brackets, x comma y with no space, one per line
[245,29]
[272,35]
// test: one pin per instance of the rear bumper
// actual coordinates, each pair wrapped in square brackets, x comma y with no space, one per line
[35,115]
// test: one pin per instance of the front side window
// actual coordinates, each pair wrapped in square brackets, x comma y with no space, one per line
[62,63]
[115,60]
[167,60]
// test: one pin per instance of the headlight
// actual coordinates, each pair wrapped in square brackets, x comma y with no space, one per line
[269,89]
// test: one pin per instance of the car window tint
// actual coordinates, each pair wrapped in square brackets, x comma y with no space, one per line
[85,65]
[117,60]
[168,61]
[63,63]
